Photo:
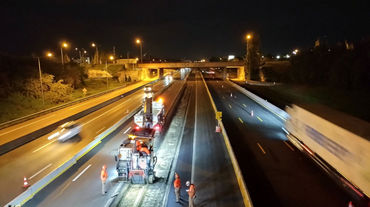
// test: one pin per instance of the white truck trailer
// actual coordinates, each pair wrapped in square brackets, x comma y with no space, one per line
[337,142]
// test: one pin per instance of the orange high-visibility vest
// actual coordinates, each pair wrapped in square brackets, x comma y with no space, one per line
[103,175]
[177,183]
[191,191]
[144,149]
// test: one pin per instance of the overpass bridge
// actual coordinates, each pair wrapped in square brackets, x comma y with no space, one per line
[160,67]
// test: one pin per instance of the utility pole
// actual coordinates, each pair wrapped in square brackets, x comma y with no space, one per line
[42,89]
[106,69]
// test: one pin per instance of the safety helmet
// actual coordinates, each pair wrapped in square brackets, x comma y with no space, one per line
[104,167]
[188,183]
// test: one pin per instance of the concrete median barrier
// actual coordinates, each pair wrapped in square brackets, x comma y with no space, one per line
[4,148]
[275,110]
[239,176]
[40,184]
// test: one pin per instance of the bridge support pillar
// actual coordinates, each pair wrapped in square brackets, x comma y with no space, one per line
[160,72]
[241,73]
[145,73]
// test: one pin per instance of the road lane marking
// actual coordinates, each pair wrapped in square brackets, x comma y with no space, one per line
[263,151]
[230,106]
[7,132]
[40,148]
[78,105]
[195,133]
[106,112]
[259,119]
[47,166]
[245,105]
[81,173]
[240,120]
[100,130]
[290,147]
[127,130]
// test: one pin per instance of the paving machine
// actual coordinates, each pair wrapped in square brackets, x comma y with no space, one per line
[136,159]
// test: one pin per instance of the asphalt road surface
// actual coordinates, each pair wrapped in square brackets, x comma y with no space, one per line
[203,158]
[80,185]
[24,128]
[41,156]
[276,173]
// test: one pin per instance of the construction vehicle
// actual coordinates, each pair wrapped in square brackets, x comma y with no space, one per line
[136,158]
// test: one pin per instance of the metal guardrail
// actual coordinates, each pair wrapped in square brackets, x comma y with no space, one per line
[239,176]
[39,185]
[4,148]
[272,108]
[46,111]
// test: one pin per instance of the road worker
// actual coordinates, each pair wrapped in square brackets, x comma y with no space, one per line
[191,193]
[177,186]
[103,177]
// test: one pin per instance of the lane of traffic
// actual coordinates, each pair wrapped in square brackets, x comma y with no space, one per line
[274,172]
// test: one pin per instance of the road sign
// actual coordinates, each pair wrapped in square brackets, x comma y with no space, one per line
[218,115]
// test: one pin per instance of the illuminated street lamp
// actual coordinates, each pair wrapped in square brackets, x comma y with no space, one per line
[49,55]
[111,57]
[140,42]
[64,45]
[295,51]
[96,52]
[249,36]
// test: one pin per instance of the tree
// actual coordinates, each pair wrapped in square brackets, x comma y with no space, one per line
[54,92]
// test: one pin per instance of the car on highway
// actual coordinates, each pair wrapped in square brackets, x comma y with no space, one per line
[66,131]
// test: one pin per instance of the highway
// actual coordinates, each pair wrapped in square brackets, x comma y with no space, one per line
[81,185]
[41,156]
[275,172]
[25,128]
[203,157]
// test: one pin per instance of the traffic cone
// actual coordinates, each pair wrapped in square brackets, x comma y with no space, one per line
[25,182]
[252,113]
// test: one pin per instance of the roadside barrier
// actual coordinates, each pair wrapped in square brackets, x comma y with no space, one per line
[239,176]
[33,189]
[4,148]
[275,110]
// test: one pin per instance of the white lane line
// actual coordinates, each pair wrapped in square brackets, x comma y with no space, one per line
[230,106]
[240,120]
[138,198]
[106,112]
[40,148]
[78,105]
[259,119]
[245,105]
[195,132]
[74,179]
[100,130]
[47,166]
[263,151]
[127,130]
[33,122]
[288,145]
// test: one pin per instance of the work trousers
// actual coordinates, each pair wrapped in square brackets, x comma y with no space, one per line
[103,187]
[191,201]
[177,193]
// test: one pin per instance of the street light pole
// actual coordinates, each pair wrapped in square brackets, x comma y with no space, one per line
[106,69]
[61,55]
[42,89]
[141,51]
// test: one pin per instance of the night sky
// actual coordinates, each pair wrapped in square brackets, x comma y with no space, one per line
[178,28]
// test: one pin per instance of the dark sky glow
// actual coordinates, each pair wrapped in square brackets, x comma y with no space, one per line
[178,28]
